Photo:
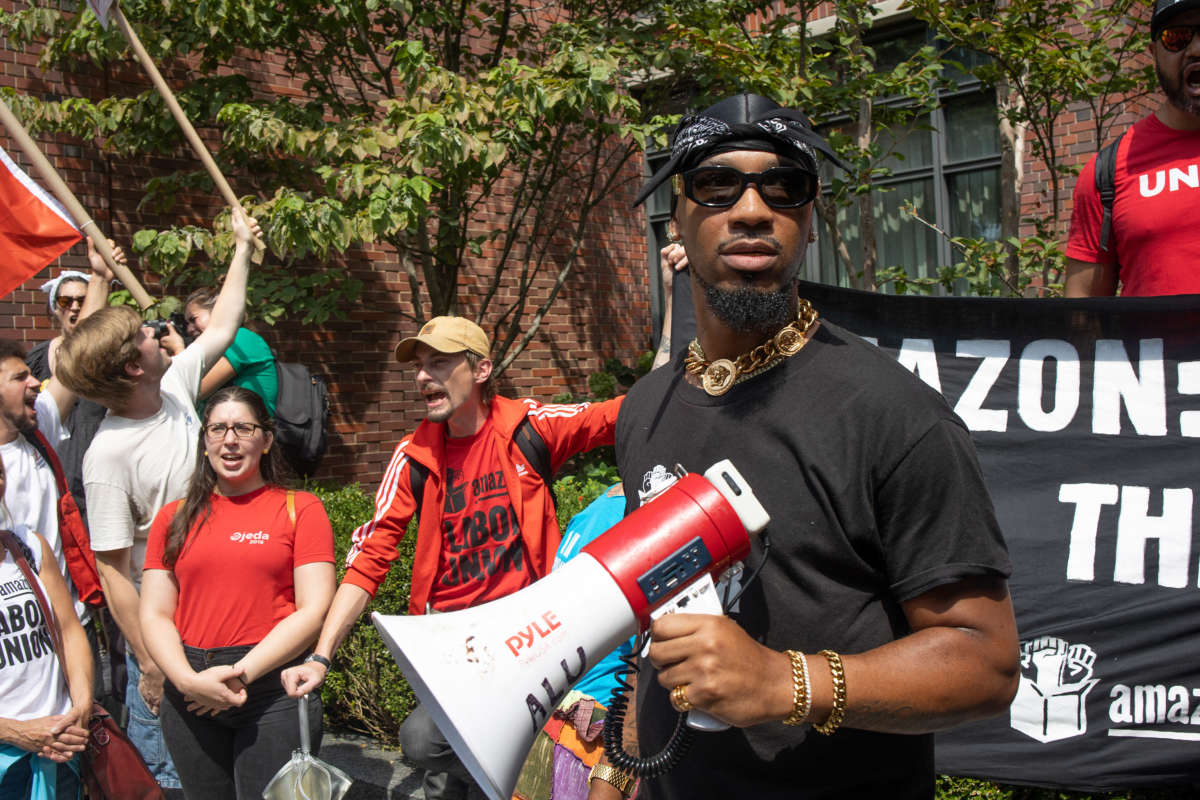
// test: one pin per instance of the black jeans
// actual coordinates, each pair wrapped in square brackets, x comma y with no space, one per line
[235,753]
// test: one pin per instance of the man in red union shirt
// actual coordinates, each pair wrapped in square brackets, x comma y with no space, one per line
[1154,247]
[492,528]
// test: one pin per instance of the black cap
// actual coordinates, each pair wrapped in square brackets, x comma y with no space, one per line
[1164,10]
[752,120]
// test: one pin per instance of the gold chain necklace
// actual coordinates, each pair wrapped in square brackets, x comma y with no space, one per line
[719,376]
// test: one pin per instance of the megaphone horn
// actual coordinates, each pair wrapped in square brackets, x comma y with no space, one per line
[490,676]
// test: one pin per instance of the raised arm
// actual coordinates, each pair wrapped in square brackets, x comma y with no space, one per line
[230,308]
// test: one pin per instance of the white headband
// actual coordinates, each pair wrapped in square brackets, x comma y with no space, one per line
[50,287]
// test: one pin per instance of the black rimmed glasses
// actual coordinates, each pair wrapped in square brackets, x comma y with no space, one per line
[1177,37]
[722,187]
[242,430]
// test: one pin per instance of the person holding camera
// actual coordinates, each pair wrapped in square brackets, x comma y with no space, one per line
[143,456]
[248,362]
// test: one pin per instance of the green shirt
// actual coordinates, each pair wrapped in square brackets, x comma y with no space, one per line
[254,366]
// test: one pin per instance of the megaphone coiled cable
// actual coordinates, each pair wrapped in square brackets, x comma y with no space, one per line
[677,746]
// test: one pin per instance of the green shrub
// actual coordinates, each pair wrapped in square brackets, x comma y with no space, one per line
[365,691]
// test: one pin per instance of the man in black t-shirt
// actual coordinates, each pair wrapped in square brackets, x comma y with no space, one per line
[881,612]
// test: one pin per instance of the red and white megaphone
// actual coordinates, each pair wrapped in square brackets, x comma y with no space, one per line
[490,676]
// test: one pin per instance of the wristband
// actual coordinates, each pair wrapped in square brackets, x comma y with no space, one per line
[320,659]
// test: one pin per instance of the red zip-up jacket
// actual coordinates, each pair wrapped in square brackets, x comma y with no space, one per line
[566,428]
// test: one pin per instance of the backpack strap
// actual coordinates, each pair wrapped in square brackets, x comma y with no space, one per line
[1106,185]
[291,506]
[417,475]
[529,442]
[536,452]
[42,445]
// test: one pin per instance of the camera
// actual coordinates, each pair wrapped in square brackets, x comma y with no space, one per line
[161,329]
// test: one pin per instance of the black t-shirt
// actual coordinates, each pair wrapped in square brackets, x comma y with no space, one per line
[82,422]
[875,497]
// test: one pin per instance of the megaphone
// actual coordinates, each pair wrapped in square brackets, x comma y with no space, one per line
[490,676]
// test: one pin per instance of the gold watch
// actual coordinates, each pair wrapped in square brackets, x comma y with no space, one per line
[621,781]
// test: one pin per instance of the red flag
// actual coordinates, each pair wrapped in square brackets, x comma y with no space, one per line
[34,228]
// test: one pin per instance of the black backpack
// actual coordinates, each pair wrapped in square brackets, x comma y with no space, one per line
[529,442]
[301,417]
[1106,185]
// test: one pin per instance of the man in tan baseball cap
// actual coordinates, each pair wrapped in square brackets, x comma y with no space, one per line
[447,335]
[480,465]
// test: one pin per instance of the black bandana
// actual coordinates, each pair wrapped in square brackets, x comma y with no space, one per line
[756,121]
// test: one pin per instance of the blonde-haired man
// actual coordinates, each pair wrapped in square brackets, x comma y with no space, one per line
[142,457]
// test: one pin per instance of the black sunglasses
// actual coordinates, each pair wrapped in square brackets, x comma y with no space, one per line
[721,187]
[1177,37]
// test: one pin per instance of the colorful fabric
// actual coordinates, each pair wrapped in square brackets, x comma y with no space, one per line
[564,752]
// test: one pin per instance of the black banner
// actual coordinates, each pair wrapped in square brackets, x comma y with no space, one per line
[1086,415]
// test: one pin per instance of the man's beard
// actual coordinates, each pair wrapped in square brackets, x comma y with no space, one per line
[1174,90]
[750,310]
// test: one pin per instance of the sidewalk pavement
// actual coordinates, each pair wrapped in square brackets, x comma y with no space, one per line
[378,774]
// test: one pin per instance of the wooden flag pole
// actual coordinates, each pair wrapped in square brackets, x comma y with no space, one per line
[189,132]
[65,196]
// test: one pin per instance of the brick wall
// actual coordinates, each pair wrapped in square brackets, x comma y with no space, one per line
[602,310]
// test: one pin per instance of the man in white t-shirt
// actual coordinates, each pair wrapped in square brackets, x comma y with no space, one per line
[32,498]
[142,457]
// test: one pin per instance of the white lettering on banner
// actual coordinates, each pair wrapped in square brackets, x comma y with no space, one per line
[1118,383]
[1135,527]
[1066,385]
[919,357]
[1154,704]
[995,353]
[1189,383]
[1145,396]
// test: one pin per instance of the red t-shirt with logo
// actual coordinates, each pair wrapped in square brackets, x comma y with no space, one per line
[483,555]
[235,569]
[1153,228]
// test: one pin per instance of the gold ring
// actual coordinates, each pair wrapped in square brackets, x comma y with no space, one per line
[679,699]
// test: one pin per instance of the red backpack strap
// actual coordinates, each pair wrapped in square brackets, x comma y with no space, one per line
[77,544]
[60,476]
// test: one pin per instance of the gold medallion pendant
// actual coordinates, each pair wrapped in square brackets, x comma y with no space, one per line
[719,376]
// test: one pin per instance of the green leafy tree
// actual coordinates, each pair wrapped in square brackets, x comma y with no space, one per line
[413,120]
[1045,60]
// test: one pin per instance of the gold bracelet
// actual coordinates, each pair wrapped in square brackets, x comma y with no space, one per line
[838,713]
[801,697]
[623,782]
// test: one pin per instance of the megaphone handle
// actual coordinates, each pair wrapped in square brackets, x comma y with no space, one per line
[703,721]
[302,704]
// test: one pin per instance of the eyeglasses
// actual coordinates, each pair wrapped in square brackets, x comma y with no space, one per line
[242,430]
[1177,37]
[65,301]
[721,187]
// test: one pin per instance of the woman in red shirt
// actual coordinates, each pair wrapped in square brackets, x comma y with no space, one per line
[237,579]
